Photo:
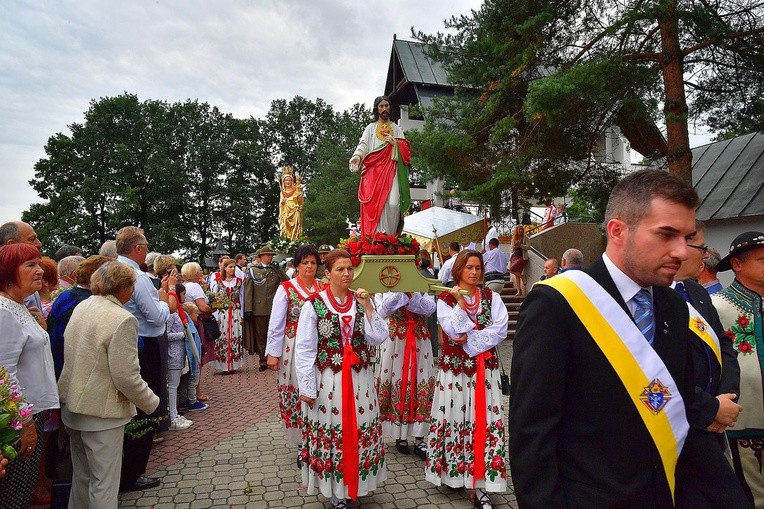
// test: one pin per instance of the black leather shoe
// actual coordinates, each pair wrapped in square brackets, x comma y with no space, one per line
[420,449]
[402,446]
[144,483]
[262,368]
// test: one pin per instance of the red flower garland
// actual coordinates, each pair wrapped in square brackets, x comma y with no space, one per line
[380,244]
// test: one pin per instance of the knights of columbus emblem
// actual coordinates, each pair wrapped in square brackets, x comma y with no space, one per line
[655,396]
[700,324]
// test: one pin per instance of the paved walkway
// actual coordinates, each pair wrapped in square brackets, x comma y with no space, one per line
[235,456]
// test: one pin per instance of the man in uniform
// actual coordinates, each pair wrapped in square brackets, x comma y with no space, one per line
[323,250]
[600,373]
[260,285]
[741,310]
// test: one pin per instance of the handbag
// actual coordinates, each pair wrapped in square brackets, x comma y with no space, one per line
[503,377]
[516,263]
[211,328]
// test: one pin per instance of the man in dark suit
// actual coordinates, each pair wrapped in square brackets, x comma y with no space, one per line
[577,436]
[716,387]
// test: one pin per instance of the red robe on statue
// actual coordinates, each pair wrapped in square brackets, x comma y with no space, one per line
[377,179]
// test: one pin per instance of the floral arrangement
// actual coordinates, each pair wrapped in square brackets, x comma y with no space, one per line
[219,300]
[288,247]
[380,244]
[137,428]
[13,410]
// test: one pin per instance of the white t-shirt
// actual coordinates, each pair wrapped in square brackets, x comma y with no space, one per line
[194,291]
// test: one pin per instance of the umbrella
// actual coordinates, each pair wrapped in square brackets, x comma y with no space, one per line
[189,336]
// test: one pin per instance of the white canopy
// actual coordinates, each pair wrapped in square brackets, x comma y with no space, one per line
[449,226]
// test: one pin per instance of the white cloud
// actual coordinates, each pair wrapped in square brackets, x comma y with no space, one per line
[238,55]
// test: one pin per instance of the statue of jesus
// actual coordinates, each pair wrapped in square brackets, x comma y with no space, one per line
[383,155]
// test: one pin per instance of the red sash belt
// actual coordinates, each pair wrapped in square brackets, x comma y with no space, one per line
[481,425]
[349,418]
[229,338]
[409,372]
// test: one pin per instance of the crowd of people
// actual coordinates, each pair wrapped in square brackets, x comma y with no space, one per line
[615,400]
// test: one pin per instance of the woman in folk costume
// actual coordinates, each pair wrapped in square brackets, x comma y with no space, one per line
[282,330]
[343,454]
[228,346]
[465,447]
[406,375]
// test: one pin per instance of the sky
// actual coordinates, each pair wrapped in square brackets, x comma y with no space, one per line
[238,55]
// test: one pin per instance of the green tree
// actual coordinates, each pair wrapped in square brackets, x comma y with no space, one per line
[294,129]
[332,191]
[539,82]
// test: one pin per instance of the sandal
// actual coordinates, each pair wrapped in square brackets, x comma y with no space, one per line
[402,446]
[482,501]
[420,449]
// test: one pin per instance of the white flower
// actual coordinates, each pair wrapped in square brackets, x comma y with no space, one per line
[336,359]
[325,327]
[469,363]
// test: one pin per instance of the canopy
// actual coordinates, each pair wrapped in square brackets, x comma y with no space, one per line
[450,226]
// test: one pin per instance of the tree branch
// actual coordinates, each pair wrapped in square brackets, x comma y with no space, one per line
[716,40]
[654,57]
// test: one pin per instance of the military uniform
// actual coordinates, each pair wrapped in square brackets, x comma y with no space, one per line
[260,285]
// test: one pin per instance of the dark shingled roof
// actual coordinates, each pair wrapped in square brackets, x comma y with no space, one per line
[729,177]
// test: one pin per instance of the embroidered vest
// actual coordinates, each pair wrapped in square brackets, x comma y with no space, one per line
[232,292]
[295,301]
[330,337]
[399,325]
[454,358]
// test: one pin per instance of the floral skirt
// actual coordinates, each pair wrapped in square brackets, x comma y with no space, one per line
[391,395]
[289,393]
[228,346]
[322,437]
[450,452]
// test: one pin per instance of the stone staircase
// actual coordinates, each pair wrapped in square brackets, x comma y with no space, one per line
[513,301]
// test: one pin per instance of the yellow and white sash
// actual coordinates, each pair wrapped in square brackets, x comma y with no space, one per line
[700,327]
[643,374]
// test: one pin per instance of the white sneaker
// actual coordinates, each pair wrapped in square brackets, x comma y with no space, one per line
[179,423]
[189,421]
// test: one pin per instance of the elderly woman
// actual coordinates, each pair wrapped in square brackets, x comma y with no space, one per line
[25,352]
[343,454]
[64,306]
[282,329]
[466,442]
[101,385]
[192,281]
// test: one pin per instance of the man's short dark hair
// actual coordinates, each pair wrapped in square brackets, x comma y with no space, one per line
[631,198]
[494,242]
[455,247]
[9,231]
[67,250]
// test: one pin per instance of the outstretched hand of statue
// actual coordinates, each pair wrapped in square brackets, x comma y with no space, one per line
[355,163]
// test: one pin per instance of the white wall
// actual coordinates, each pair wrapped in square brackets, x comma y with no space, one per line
[720,234]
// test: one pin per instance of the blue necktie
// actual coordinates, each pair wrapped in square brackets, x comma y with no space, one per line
[643,314]
[681,290]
